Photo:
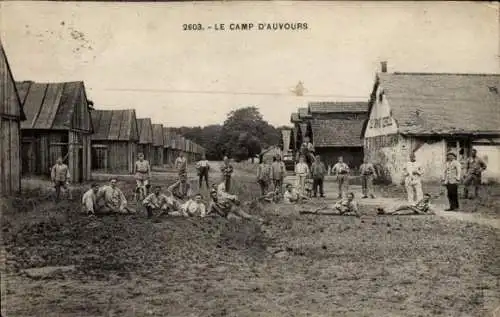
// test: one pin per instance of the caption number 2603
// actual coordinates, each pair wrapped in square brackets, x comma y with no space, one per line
[192,27]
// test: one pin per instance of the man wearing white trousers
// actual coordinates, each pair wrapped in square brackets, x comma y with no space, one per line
[412,174]
[301,171]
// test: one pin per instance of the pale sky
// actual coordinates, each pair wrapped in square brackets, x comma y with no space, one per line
[126,46]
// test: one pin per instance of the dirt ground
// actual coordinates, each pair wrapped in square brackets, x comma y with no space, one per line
[60,263]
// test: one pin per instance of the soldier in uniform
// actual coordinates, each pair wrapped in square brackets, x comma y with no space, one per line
[474,169]
[60,177]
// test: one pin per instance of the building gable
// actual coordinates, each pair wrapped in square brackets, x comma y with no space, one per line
[380,120]
[10,103]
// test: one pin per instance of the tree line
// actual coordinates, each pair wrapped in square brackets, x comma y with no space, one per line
[243,135]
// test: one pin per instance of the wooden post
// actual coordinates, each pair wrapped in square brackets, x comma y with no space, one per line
[71,156]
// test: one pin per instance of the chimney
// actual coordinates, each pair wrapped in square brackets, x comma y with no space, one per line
[383,67]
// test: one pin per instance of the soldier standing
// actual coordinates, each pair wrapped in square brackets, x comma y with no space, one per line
[474,168]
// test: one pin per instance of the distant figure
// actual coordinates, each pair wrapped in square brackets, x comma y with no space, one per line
[318,172]
[301,171]
[307,150]
[227,173]
[203,168]
[181,189]
[341,170]
[368,172]
[113,198]
[344,207]
[278,172]
[475,167]
[89,200]
[451,179]
[420,208]
[60,177]
[412,174]
[181,165]
[263,176]
[142,174]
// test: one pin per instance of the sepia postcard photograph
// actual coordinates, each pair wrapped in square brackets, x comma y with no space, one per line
[250,158]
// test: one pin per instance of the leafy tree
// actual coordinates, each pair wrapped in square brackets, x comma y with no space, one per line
[243,135]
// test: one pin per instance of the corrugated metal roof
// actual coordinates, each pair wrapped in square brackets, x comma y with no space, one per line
[158,135]
[145,131]
[337,107]
[425,103]
[55,106]
[337,132]
[10,103]
[115,125]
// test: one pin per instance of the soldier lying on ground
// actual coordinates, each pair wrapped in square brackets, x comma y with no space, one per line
[291,196]
[344,207]
[273,196]
[227,205]
[420,208]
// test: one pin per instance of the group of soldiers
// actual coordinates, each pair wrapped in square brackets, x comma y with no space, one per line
[178,199]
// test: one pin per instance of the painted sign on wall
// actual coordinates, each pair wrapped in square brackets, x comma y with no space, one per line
[381,121]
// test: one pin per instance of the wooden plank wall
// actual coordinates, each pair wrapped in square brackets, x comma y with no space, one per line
[158,155]
[87,159]
[132,155]
[117,156]
[10,174]
[147,150]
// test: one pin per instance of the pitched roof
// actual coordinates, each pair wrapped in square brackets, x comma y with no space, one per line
[60,106]
[337,106]
[10,103]
[158,135]
[145,130]
[115,125]
[443,103]
[304,113]
[337,132]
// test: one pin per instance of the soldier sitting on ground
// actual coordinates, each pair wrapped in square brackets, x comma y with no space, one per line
[89,200]
[158,202]
[420,208]
[227,205]
[194,207]
[344,207]
[181,189]
[113,199]
[292,196]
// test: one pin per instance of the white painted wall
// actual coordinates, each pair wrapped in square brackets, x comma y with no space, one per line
[432,158]
[491,156]
[380,109]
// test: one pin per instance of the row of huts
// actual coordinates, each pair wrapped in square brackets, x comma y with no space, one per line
[428,114]
[43,121]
